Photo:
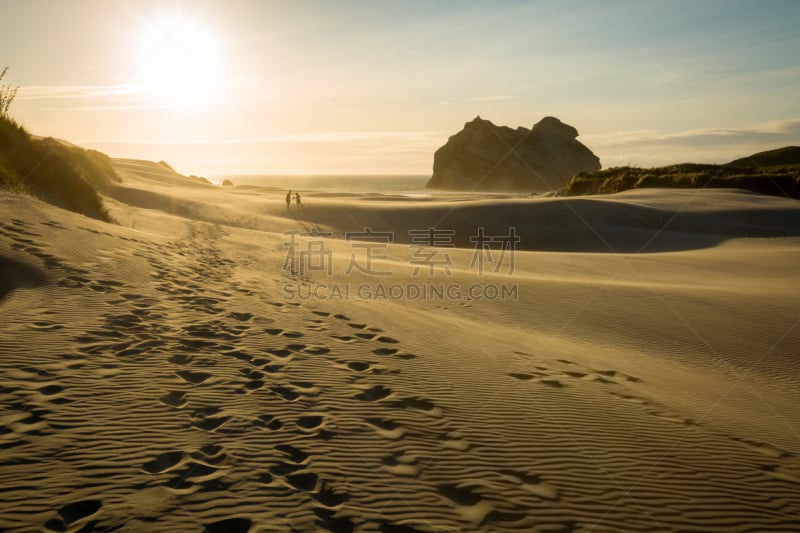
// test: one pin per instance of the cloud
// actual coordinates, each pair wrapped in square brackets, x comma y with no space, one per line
[778,131]
[58,92]
[330,137]
[488,98]
[133,107]
[122,97]
[709,145]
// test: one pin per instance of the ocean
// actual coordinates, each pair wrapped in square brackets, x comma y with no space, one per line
[399,185]
[406,185]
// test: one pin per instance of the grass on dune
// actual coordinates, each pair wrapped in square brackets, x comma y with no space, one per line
[64,175]
[776,180]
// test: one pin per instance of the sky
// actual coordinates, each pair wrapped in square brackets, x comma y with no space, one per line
[370,87]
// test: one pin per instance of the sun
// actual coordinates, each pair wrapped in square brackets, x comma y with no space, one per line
[180,62]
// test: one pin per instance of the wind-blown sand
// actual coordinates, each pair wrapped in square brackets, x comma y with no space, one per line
[167,374]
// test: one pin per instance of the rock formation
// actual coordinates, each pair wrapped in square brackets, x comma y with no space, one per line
[485,157]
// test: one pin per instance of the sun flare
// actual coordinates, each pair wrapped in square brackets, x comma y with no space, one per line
[181,62]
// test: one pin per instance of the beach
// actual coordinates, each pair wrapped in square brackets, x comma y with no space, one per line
[215,361]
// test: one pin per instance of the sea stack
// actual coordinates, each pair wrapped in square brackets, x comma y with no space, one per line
[485,157]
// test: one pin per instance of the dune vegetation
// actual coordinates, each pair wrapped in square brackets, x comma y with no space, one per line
[776,180]
[55,171]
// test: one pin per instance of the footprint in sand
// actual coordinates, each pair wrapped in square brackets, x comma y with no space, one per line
[467,501]
[253,385]
[317,350]
[286,393]
[306,388]
[204,419]
[74,512]
[250,373]
[387,429]
[610,376]
[51,390]
[195,378]
[282,353]
[283,468]
[455,440]
[374,336]
[175,399]
[229,525]
[373,394]
[73,282]
[470,504]
[344,338]
[268,422]
[254,361]
[163,462]
[536,377]
[389,527]
[790,473]
[553,383]
[53,224]
[531,483]
[202,473]
[419,404]
[670,416]
[240,355]
[273,369]
[44,325]
[180,359]
[330,499]
[767,450]
[310,423]
[305,481]
[395,352]
[630,398]
[400,464]
[210,423]
[293,453]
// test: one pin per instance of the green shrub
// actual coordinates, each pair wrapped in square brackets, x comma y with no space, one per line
[780,180]
[66,176]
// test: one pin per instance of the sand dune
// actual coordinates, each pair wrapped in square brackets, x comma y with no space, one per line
[168,374]
[634,221]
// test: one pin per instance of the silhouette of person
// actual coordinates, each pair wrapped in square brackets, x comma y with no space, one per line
[288,200]
[297,200]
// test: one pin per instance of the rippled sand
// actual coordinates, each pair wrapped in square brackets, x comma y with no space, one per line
[165,374]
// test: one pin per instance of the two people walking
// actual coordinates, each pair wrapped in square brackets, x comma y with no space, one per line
[296,199]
